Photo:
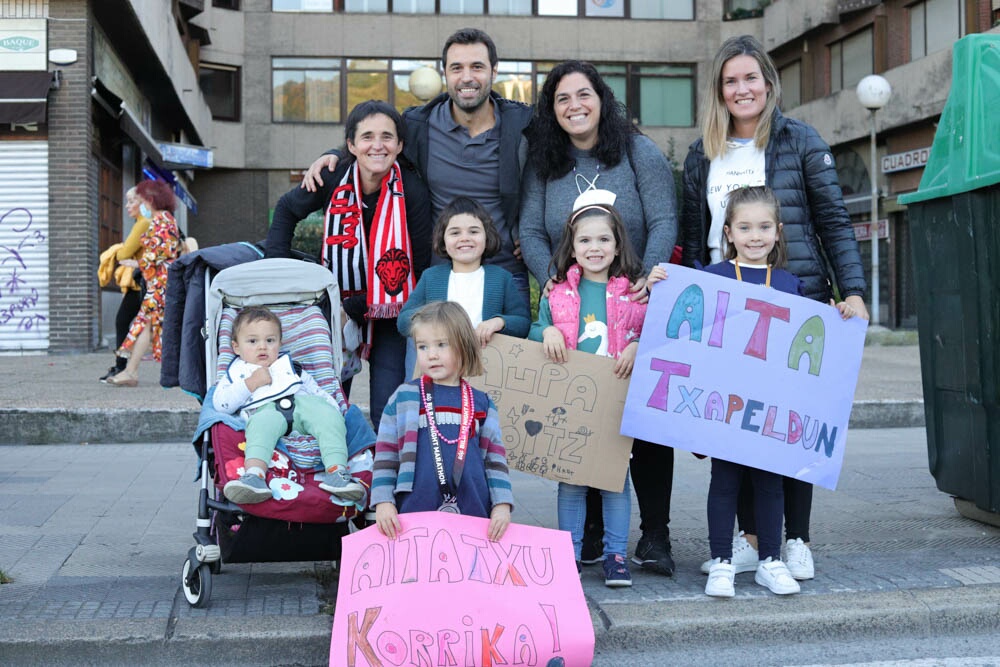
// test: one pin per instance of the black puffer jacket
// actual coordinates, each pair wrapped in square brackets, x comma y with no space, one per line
[801,172]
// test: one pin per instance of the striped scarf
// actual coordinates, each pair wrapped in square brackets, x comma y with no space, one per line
[388,278]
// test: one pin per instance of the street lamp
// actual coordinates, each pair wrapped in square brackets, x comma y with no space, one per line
[873,93]
[425,83]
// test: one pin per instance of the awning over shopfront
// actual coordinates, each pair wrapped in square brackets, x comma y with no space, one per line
[132,127]
[24,96]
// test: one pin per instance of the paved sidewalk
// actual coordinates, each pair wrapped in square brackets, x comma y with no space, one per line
[57,399]
[94,537]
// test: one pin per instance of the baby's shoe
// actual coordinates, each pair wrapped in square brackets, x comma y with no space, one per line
[249,489]
[721,577]
[338,482]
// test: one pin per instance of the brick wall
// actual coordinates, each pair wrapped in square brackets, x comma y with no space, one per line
[73,193]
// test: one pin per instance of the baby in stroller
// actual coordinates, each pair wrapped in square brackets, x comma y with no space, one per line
[276,395]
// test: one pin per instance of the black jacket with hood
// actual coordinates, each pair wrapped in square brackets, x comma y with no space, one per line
[817,229]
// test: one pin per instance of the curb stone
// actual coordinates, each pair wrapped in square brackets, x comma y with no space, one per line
[306,641]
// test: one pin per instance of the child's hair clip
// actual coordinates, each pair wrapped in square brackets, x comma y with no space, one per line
[594,197]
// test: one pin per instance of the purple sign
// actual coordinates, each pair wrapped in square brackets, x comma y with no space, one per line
[747,374]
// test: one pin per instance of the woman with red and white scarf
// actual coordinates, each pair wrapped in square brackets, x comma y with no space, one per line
[377,237]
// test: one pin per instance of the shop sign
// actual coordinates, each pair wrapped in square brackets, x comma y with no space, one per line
[185,155]
[23,45]
[903,161]
[863,230]
[19,43]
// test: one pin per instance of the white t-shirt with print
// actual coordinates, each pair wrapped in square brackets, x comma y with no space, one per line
[741,165]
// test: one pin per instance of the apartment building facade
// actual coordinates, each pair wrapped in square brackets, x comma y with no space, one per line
[96,96]
[655,53]
[256,89]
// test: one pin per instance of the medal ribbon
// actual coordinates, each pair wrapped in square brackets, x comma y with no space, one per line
[468,411]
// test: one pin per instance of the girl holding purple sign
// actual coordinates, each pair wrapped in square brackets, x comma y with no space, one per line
[755,252]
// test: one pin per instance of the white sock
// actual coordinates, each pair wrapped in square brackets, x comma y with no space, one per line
[257,470]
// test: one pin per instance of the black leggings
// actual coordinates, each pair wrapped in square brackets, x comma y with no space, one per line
[798,508]
[652,469]
[728,482]
[127,310]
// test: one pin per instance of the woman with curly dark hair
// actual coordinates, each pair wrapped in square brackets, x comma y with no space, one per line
[581,139]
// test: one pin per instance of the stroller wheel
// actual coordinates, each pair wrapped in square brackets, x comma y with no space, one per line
[196,584]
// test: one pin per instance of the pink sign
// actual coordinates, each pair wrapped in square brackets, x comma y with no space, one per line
[443,595]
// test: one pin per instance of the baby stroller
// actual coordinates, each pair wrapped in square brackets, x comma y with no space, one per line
[301,521]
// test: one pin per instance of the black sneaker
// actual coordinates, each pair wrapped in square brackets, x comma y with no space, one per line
[111,373]
[592,551]
[653,553]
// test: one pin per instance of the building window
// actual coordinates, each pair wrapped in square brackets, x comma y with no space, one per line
[366,6]
[663,94]
[302,5]
[413,6]
[605,8]
[510,7]
[226,4]
[791,85]
[306,90]
[851,59]
[935,25]
[515,81]
[465,7]
[654,95]
[221,86]
[675,10]
[324,90]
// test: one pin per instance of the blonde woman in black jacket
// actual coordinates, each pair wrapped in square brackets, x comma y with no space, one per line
[746,141]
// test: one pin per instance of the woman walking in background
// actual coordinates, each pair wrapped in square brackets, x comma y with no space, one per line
[161,244]
[128,256]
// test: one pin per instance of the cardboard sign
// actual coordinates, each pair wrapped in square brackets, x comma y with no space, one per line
[443,594]
[747,374]
[559,421]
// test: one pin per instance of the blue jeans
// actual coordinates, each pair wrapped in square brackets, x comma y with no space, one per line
[523,288]
[572,510]
[385,366]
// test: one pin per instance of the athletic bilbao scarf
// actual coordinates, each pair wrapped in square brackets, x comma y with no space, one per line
[379,265]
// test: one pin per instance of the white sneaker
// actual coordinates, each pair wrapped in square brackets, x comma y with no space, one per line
[773,575]
[720,579]
[745,557]
[799,559]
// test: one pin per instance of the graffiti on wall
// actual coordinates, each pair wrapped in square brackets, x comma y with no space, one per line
[23,276]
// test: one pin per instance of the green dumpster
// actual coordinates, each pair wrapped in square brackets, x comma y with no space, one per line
[955,225]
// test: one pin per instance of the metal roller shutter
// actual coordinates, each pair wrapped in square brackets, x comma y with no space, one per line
[24,245]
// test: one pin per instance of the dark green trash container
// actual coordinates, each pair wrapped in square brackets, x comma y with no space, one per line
[955,226]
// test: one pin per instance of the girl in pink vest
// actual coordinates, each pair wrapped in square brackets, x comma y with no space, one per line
[589,309]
